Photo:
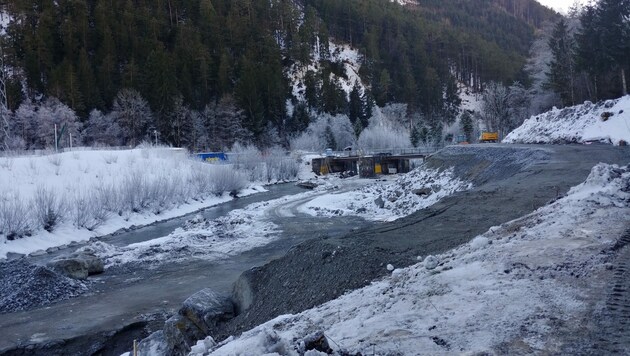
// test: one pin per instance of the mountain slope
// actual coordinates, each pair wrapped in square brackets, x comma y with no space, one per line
[85,52]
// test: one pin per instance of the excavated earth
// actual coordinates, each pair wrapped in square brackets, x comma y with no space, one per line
[510,181]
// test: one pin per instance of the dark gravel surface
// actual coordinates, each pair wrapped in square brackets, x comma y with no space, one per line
[24,286]
[510,181]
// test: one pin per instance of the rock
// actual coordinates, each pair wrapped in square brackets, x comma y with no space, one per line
[380,203]
[73,268]
[431,262]
[11,256]
[307,185]
[83,257]
[180,334]
[206,309]
[390,267]
[242,294]
[52,249]
[361,211]
[317,342]
[154,344]
[94,263]
[421,192]
[37,253]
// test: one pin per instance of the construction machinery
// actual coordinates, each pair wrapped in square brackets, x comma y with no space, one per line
[489,137]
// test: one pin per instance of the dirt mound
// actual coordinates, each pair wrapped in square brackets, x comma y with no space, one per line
[24,286]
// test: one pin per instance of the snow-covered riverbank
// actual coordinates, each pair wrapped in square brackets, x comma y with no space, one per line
[51,200]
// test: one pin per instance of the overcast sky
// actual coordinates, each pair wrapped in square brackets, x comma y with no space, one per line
[558,5]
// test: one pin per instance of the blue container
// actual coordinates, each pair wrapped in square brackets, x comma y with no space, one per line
[213,157]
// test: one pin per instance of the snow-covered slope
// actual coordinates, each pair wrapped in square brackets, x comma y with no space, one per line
[607,121]
[520,288]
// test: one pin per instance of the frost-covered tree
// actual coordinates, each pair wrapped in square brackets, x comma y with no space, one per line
[383,137]
[133,114]
[496,107]
[326,131]
[53,114]
[102,129]
[198,140]
[520,103]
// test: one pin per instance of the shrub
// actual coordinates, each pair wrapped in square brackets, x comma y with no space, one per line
[49,208]
[15,220]
[226,179]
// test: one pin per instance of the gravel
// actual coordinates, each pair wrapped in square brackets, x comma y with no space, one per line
[25,286]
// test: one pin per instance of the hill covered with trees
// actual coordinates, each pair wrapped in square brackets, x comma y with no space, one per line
[196,66]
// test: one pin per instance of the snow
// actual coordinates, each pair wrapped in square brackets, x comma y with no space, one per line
[398,197]
[580,124]
[343,53]
[514,289]
[81,172]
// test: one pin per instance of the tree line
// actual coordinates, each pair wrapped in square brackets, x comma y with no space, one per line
[591,53]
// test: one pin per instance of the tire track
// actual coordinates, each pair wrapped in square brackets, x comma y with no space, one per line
[614,333]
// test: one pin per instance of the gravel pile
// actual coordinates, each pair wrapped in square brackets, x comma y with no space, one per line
[25,286]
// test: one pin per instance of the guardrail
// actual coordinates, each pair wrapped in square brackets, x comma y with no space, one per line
[388,152]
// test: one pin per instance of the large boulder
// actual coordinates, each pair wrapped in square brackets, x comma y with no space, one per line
[206,309]
[78,265]
[73,268]
[94,263]
[155,344]
[180,334]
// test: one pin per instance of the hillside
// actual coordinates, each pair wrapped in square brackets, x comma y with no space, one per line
[85,52]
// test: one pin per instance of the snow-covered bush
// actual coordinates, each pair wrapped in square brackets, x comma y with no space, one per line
[14,216]
[279,166]
[248,159]
[49,208]
[226,179]
[89,209]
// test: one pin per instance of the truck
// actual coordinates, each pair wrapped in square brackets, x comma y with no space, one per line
[489,137]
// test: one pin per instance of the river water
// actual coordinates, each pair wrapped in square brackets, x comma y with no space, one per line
[123,295]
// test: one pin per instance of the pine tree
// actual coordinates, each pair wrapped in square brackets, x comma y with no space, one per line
[562,67]
[466,125]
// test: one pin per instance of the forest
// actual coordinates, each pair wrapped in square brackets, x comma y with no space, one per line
[207,73]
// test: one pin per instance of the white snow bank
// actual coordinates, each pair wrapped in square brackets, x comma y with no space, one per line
[99,192]
[607,121]
[409,193]
[515,289]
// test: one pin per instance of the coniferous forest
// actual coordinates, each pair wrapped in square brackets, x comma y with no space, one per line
[223,63]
